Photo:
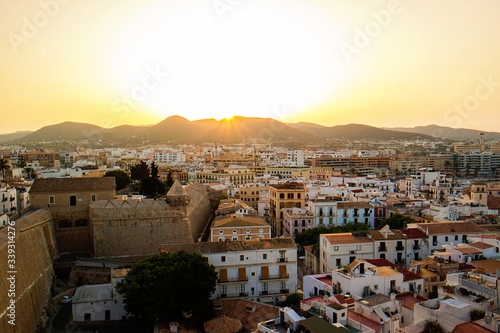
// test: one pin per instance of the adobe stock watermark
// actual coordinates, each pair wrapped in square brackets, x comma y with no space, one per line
[364,36]
[275,127]
[455,115]
[32,25]
[223,7]
[122,106]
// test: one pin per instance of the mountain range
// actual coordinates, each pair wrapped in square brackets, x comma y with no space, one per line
[237,129]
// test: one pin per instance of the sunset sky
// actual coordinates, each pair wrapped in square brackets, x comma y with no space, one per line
[381,63]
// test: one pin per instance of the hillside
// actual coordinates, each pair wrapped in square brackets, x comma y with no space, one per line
[357,131]
[13,136]
[450,133]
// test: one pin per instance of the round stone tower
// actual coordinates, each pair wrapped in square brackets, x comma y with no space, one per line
[177,195]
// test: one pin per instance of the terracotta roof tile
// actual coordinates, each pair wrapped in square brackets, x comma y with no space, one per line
[50,185]
[449,227]
[346,238]
[468,327]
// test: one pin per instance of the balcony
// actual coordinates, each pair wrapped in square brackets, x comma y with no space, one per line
[232,295]
[235,280]
[12,199]
[274,277]
[274,292]
[4,199]
[416,247]
[382,249]
[282,260]
[400,248]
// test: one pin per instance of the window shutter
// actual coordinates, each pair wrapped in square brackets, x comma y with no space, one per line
[223,275]
[264,272]
[242,274]
[283,273]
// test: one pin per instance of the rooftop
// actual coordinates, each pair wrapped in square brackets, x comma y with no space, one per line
[50,185]
[93,293]
[409,299]
[237,309]
[232,246]
[345,238]
[318,325]
[235,221]
[376,299]
[449,227]
[353,205]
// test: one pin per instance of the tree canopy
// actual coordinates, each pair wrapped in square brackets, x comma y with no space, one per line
[122,179]
[166,284]
[140,171]
[397,221]
[311,236]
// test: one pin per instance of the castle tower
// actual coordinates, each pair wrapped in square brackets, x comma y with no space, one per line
[177,195]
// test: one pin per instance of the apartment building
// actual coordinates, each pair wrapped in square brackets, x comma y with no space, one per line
[239,227]
[234,175]
[441,233]
[296,220]
[354,212]
[43,159]
[251,194]
[8,200]
[337,250]
[264,270]
[324,210]
[286,195]
[363,278]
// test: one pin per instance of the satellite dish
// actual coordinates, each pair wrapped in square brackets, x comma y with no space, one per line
[487,319]
[325,298]
[359,310]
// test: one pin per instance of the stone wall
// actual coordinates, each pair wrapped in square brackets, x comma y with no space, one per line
[81,275]
[73,232]
[137,230]
[35,251]
[137,227]
[199,209]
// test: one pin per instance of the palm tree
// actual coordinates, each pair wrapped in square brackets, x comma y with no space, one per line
[4,165]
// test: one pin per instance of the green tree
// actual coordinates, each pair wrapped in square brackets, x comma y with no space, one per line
[140,171]
[121,177]
[170,180]
[433,327]
[476,314]
[4,166]
[396,221]
[30,173]
[151,186]
[166,284]
[293,299]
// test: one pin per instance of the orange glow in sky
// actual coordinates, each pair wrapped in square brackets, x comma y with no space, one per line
[382,63]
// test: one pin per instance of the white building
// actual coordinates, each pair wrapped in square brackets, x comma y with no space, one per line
[100,302]
[264,270]
[337,250]
[441,233]
[363,278]
[8,200]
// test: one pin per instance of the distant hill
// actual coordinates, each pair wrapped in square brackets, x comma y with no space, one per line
[237,129]
[66,131]
[450,133]
[357,131]
[13,136]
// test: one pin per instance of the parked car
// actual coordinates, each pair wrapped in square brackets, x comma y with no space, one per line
[66,299]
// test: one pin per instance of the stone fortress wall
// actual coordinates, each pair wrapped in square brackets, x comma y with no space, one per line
[36,249]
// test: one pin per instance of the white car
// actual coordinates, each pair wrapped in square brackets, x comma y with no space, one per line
[66,299]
